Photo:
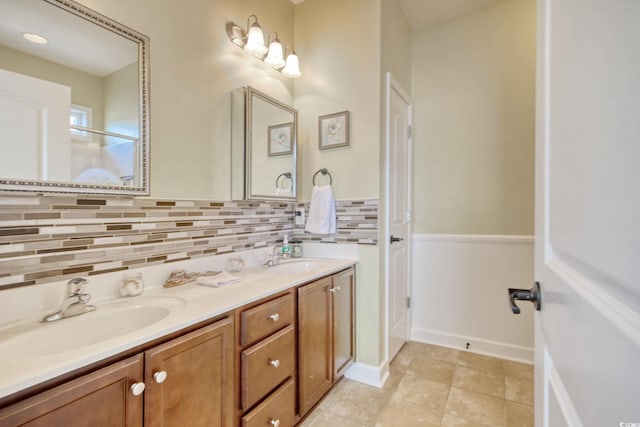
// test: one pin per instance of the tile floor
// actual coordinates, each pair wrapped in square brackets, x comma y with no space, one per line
[431,386]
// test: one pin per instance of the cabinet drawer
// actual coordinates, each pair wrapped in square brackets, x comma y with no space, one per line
[265,365]
[266,318]
[279,409]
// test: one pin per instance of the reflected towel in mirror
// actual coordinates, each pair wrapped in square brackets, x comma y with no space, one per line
[284,192]
[322,211]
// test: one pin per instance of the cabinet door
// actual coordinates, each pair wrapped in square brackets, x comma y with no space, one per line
[314,342]
[343,322]
[101,398]
[198,388]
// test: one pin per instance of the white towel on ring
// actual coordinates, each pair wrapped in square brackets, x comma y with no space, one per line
[322,211]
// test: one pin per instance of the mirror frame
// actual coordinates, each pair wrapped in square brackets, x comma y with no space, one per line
[250,93]
[143,95]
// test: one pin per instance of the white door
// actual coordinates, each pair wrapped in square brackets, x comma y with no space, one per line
[34,128]
[588,213]
[398,207]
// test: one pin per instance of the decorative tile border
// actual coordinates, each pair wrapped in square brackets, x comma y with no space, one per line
[357,222]
[50,238]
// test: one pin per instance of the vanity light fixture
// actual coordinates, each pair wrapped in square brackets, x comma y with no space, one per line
[292,66]
[35,38]
[275,57]
[252,41]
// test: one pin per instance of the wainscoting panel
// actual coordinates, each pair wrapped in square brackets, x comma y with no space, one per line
[459,293]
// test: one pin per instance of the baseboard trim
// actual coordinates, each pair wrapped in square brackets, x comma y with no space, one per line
[477,345]
[368,374]
[474,238]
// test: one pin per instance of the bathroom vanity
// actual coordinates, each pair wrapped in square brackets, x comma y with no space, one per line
[261,352]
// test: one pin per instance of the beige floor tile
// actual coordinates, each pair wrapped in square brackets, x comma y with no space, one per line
[431,351]
[431,369]
[428,394]
[393,380]
[480,381]
[358,401]
[329,397]
[408,414]
[322,418]
[478,407]
[401,362]
[519,370]
[519,390]
[481,362]
[450,421]
[517,415]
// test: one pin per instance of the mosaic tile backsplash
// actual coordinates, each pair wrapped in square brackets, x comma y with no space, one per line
[49,238]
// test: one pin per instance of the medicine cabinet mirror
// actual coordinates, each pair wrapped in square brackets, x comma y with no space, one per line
[264,147]
[74,89]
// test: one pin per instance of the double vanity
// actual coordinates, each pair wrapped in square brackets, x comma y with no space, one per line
[261,352]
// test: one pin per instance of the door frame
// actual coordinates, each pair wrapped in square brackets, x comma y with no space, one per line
[393,84]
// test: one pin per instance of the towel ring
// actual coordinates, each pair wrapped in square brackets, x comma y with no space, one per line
[323,171]
[284,174]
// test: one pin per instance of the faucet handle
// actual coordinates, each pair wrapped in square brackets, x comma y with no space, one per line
[76,286]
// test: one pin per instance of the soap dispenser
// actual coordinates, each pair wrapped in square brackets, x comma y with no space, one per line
[286,248]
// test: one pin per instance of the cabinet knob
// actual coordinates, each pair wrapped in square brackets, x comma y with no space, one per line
[275,423]
[275,317]
[137,388]
[334,290]
[160,376]
[275,363]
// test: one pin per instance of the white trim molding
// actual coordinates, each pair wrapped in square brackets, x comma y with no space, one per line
[475,238]
[371,375]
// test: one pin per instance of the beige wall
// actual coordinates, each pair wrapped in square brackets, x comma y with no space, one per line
[473,87]
[341,71]
[194,67]
[121,104]
[396,44]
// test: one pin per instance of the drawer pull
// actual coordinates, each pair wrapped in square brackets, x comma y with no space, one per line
[137,388]
[160,376]
[275,317]
[275,363]
[275,423]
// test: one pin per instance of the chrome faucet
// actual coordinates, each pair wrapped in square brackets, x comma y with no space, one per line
[275,256]
[74,303]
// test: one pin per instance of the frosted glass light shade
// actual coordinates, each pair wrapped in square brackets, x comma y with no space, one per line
[255,41]
[292,67]
[275,57]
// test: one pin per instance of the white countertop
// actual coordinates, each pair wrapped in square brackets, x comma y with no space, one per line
[202,303]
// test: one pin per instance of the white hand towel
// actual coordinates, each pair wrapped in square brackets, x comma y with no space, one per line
[284,192]
[322,211]
[218,280]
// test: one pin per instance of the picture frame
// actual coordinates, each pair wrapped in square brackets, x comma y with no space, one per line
[333,130]
[280,137]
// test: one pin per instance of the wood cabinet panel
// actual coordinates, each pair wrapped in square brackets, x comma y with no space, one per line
[279,408]
[198,390]
[314,342]
[260,321]
[265,365]
[343,322]
[102,398]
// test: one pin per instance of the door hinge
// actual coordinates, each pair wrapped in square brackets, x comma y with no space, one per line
[409,131]
[408,216]
[408,302]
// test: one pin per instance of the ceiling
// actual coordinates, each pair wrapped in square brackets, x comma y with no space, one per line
[421,14]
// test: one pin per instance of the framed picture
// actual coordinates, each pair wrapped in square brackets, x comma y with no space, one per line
[333,130]
[280,139]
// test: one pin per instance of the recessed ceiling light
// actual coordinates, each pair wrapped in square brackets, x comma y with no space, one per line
[35,38]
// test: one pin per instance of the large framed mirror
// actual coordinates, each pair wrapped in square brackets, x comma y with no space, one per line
[74,100]
[265,147]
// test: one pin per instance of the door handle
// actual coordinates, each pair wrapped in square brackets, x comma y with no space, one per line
[532,295]
[393,239]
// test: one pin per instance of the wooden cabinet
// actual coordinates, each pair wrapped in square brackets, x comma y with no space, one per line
[267,362]
[102,398]
[187,381]
[190,379]
[325,335]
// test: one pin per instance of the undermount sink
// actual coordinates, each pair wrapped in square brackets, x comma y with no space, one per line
[298,266]
[108,321]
